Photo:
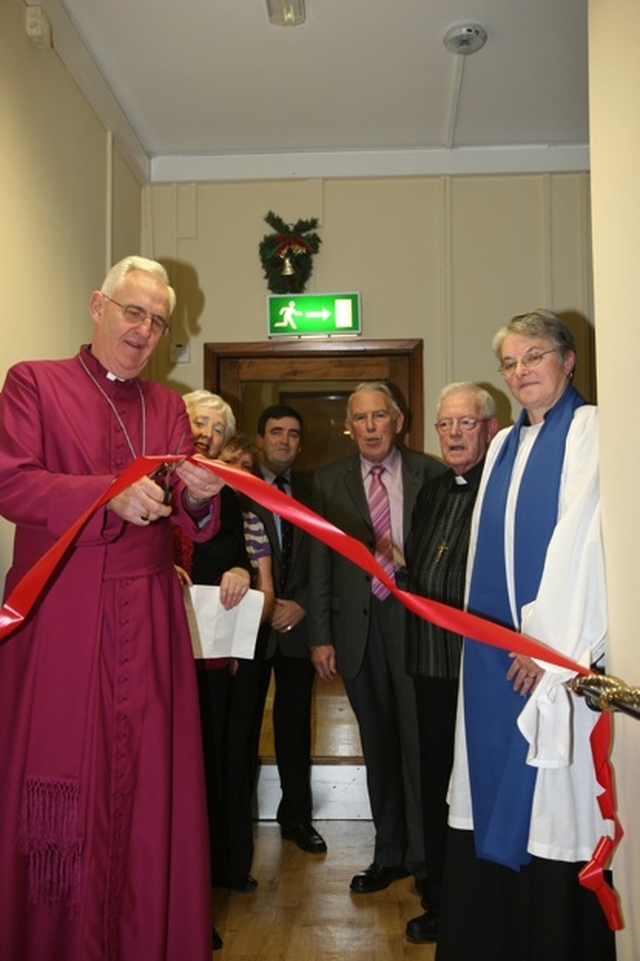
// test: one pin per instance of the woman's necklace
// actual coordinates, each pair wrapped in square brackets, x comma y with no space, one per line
[117,416]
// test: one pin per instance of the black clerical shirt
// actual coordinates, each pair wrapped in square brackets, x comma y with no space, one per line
[436,563]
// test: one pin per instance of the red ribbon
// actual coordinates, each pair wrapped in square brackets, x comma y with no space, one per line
[450,618]
[26,592]
[286,242]
[592,874]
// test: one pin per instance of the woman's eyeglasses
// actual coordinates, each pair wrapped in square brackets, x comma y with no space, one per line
[531,359]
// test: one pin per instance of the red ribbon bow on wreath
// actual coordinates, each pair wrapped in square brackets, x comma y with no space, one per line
[287,254]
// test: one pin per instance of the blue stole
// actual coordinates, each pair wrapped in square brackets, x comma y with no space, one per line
[502,783]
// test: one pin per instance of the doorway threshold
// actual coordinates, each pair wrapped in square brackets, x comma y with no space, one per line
[339,792]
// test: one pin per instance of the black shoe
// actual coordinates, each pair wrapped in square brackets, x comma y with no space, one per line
[306,837]
[377,877]
[423,930]
[216,940]
[245,884]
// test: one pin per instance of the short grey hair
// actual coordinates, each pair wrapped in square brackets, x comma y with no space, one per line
[483,398]
[382,388]
[537,323]
[204,398]
[120,270]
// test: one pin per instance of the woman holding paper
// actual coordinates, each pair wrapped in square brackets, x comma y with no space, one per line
[223,561]
[523,794]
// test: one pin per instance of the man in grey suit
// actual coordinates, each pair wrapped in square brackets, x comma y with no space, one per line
[358,632]
[284,642]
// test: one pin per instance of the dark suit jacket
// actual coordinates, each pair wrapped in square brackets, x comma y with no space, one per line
[339,591]
[294,643]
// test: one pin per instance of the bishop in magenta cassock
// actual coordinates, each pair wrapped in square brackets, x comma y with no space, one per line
[103,829]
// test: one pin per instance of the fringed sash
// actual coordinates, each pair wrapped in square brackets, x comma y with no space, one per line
[502,783]
[51,840]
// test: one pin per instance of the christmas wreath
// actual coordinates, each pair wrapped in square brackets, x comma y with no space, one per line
[287,254]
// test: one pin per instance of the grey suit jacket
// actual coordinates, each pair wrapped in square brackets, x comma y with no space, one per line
[339,591]
[294,643]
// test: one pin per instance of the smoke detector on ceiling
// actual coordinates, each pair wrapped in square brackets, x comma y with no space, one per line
[465,38]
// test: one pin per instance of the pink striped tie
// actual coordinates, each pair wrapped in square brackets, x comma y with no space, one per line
[381,519]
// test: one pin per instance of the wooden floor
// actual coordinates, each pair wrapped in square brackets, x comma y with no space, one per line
[334,731]
[303,910]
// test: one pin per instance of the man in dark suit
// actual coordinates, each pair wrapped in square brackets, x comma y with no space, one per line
[358,632]
[284,643]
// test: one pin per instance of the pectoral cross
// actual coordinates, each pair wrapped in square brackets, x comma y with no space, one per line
[443,547]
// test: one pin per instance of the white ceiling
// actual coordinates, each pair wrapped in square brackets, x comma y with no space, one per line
[210,85]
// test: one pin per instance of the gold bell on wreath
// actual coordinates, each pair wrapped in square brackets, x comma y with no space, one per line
[287,266]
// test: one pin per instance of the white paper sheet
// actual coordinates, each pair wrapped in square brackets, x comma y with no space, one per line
[216,632]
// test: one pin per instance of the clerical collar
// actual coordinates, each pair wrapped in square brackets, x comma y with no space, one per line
[470,479]
[101,367]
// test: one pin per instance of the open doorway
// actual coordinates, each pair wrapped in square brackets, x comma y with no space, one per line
[316,378]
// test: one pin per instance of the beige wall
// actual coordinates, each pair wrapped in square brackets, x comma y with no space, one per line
[124,195]
[615,132]
[66,199]
[443,259]
[52,182]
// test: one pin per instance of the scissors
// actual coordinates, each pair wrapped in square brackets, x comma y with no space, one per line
[162,474]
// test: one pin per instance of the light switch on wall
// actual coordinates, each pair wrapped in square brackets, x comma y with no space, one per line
[179,353]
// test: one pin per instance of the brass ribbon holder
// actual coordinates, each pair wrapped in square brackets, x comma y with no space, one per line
[603,692]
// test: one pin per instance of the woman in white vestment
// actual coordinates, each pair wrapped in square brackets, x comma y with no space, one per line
[524,815]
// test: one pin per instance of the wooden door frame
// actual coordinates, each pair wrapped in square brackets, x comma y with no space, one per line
[299,351]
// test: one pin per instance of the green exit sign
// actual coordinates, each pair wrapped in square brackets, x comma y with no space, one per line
[304,315]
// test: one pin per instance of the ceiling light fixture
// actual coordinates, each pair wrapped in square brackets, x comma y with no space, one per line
[286,13]
[465,38]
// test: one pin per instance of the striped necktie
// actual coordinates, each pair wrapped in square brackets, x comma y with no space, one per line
[381,520]
[286,540]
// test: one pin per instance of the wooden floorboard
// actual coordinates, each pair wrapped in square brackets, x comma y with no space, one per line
[303,910]
[334,731]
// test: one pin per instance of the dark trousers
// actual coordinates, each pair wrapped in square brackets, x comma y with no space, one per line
[229,710]
[436,701]
[294,678]
[243,722]
[540,913]
[383,699]
[213,689]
